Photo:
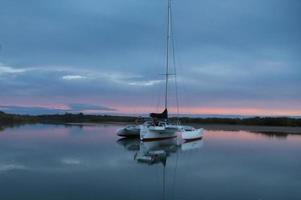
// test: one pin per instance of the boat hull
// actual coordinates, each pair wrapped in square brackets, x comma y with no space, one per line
[129,132]
[157,133]
[192,134]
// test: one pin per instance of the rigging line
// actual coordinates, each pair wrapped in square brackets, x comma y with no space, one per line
[174,62]
[164,189]
[159,99]
[175,175]
[167,53]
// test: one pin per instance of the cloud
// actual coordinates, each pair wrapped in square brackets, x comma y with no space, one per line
[10,167]
[10,70]
[39,110]
[81,107]
[145,83]
[73,77]
[71,161]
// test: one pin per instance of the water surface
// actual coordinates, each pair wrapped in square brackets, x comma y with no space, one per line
[90,162]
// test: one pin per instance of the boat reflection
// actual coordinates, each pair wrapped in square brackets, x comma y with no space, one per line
[155,152]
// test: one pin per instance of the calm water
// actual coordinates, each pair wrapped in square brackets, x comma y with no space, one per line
[90,162]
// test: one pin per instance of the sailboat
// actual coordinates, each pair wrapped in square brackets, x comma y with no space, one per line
[160,127]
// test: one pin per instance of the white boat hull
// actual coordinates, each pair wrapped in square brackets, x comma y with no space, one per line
[129,131]
[156,133]
[192,134]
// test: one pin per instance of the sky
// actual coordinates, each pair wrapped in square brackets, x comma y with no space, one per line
[233,57]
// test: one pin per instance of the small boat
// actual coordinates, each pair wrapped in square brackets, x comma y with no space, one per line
[190,133]
[129,131]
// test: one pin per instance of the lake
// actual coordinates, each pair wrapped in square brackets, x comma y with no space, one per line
[49,162]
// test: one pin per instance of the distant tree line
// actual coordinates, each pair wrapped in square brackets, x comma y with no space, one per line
[10,119]
[258,121]
[13,119]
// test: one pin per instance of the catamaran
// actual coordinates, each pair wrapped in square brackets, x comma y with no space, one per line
[160,127]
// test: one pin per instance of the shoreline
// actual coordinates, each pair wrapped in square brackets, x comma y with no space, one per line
[267,130]
[267,125]
[251,128]
[218,127]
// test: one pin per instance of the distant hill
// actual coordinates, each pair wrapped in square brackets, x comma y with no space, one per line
[13,119]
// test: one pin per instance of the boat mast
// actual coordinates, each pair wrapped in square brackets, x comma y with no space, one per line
[167,51]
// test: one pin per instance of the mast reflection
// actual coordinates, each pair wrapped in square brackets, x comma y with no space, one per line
[155,152]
